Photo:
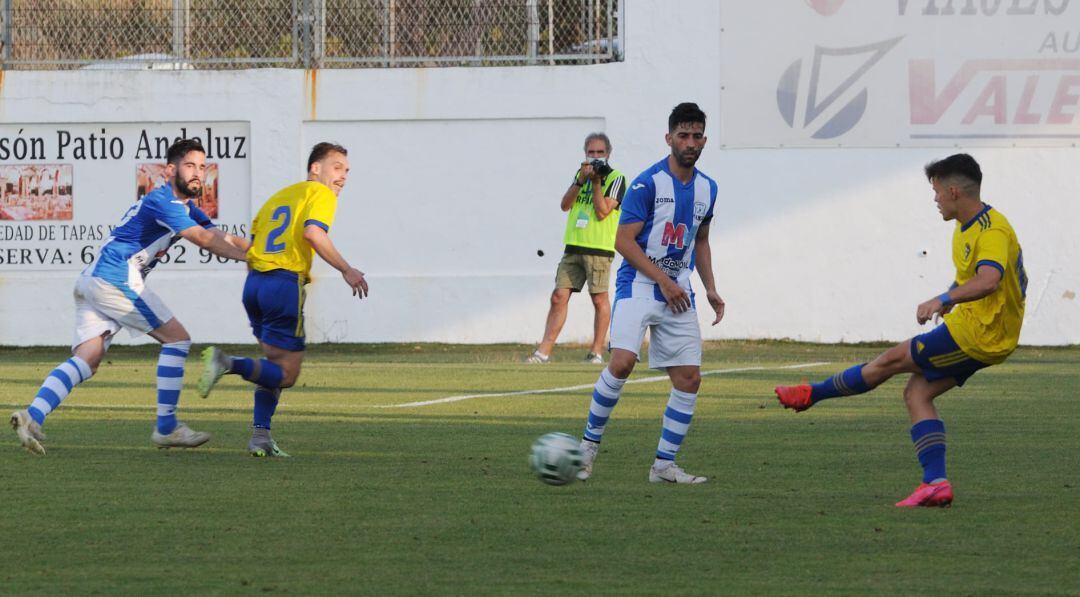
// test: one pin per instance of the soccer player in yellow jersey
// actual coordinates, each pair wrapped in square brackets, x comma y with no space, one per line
[289,229]
[983,312]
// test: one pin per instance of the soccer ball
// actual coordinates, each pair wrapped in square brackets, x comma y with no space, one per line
[555,458]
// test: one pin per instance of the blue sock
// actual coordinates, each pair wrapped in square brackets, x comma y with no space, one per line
[266,401]
[261,372]
[928,436]
[605,396]
[846,383]
[57,386]
[170,379]
[677,416]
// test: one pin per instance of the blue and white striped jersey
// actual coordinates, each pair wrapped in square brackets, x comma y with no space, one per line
[144,234]
[672,213]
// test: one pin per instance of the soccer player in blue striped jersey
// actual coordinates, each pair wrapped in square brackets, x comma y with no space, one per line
[111,294]
[663,235]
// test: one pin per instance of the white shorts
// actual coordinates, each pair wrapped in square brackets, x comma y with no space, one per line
[102,307]
[675,338]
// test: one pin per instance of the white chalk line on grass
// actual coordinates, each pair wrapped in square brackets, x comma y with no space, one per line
[588,386]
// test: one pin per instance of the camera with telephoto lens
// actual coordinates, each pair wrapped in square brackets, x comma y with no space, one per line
[600,166]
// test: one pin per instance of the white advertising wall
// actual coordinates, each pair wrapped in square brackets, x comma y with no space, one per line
[822,114]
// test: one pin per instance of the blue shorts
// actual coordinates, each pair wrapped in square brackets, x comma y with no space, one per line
[939,357]
[274,302]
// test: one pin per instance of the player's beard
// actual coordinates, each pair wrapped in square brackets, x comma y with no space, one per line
[185,189]
[687,160]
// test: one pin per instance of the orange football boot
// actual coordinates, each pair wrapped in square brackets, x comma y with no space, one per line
[794,397]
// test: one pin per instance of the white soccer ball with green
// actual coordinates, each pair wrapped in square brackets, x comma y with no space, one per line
[555,458]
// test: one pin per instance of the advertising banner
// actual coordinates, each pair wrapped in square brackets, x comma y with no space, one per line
[896,73]
[64,187]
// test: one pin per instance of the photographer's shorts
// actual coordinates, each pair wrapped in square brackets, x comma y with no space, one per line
[574,270]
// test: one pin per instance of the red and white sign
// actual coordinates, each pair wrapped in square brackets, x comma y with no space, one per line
[927,73]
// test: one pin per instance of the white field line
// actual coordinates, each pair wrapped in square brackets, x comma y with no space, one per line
[588,386]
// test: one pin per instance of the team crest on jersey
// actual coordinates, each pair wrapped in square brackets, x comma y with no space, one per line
[700,209]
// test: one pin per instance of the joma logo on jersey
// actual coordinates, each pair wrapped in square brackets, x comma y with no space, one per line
[674,235]
[660,200]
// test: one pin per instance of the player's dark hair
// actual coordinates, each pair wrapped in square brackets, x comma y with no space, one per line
[685,113]
[958,165]
[181,148]
[321,150]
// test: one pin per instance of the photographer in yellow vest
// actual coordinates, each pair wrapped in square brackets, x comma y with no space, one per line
[592,202]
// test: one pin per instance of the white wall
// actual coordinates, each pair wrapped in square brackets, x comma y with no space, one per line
[457,174]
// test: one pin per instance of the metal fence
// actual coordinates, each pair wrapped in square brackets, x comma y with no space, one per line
[222,34]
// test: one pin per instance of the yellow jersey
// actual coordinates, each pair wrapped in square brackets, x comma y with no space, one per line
[277,232]
[988,329]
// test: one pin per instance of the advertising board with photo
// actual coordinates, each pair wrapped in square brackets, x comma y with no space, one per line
[64,187]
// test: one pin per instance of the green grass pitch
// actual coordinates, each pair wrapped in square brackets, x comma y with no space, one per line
[439,499]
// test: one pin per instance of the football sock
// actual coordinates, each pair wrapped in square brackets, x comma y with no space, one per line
[261,372]
[266,401]
[677,415]
[604,398]
[846,383]
[170,379]
[928,436]
[57,386]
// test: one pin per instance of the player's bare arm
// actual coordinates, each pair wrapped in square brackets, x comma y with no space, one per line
[237,241]
[677,298]
[214,242]
[984,283]
[703,257]
[324,247]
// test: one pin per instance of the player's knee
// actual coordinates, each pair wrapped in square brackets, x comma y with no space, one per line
[915,397]
[620,369]
[689,382]
[891,361]
[289,377]
[559,299]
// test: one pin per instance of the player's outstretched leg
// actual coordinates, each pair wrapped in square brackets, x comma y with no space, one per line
[59,383]
[216,364]
[848,382]
[852,381]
